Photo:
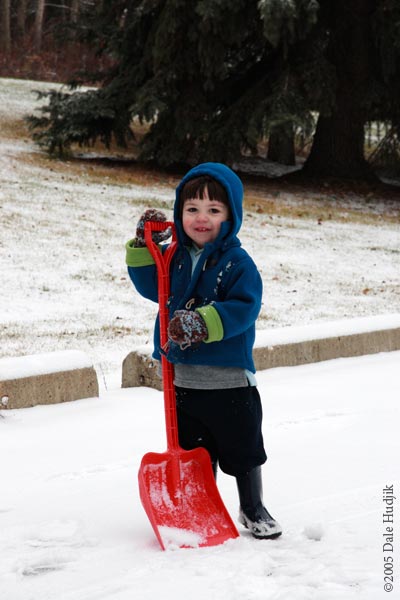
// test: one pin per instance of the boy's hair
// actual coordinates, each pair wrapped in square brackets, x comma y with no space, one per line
[196,188]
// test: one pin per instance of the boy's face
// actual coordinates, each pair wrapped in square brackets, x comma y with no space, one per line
[202,218]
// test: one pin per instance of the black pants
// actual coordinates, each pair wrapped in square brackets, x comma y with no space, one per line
[226,422]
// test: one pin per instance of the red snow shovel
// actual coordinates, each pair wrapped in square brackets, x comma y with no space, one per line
[177,488]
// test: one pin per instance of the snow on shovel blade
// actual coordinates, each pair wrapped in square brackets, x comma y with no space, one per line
[179,494]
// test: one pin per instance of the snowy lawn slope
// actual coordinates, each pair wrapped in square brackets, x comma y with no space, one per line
[72,526]
[64,226]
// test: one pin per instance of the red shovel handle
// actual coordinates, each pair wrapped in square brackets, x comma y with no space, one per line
[163,261]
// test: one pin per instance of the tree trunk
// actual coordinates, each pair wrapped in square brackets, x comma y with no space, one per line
[281,144]
[39,24]
[74,17]
[338,147]
[5,23]
[75,11]
[22,10]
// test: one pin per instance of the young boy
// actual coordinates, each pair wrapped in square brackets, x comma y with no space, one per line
[215,299]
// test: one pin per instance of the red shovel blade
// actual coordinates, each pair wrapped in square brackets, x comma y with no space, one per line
[179,494]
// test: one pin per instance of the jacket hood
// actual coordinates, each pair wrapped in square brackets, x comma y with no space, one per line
[234,189]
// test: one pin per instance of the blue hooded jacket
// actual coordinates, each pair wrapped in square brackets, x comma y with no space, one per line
[225,287]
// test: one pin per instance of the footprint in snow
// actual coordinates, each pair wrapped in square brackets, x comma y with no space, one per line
[50,547]
[46,562]
[90,471]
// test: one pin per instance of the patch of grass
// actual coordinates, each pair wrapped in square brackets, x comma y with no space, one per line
[384,249]
[264,196]
[321,209]
[14,129]
[101,171]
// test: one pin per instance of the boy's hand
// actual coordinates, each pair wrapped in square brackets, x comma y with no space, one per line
[151,214]
[186,328]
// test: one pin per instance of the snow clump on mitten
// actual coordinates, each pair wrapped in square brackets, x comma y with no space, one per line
[186,328]
[151,214]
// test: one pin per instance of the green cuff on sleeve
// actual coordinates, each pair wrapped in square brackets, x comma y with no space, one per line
[137,257]
[213,322]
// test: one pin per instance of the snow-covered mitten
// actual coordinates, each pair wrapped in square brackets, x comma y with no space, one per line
[151,214]
[186,328]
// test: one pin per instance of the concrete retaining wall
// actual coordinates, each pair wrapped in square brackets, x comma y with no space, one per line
[291,346]
[140,370]
[310,351]
[46,379]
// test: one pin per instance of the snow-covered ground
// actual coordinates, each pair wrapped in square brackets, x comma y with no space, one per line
[72,526]
[64,226]
[71,523]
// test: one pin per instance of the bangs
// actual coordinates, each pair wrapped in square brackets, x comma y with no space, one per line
[197,188]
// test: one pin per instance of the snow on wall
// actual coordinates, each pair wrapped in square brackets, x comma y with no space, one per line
[39,364]
[341,327]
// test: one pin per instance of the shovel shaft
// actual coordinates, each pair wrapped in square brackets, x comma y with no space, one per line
[163,262]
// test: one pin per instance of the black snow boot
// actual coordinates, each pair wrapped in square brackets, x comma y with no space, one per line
[253,514]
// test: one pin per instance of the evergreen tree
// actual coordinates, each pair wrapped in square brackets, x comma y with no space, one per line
[347,29]
[212,77]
